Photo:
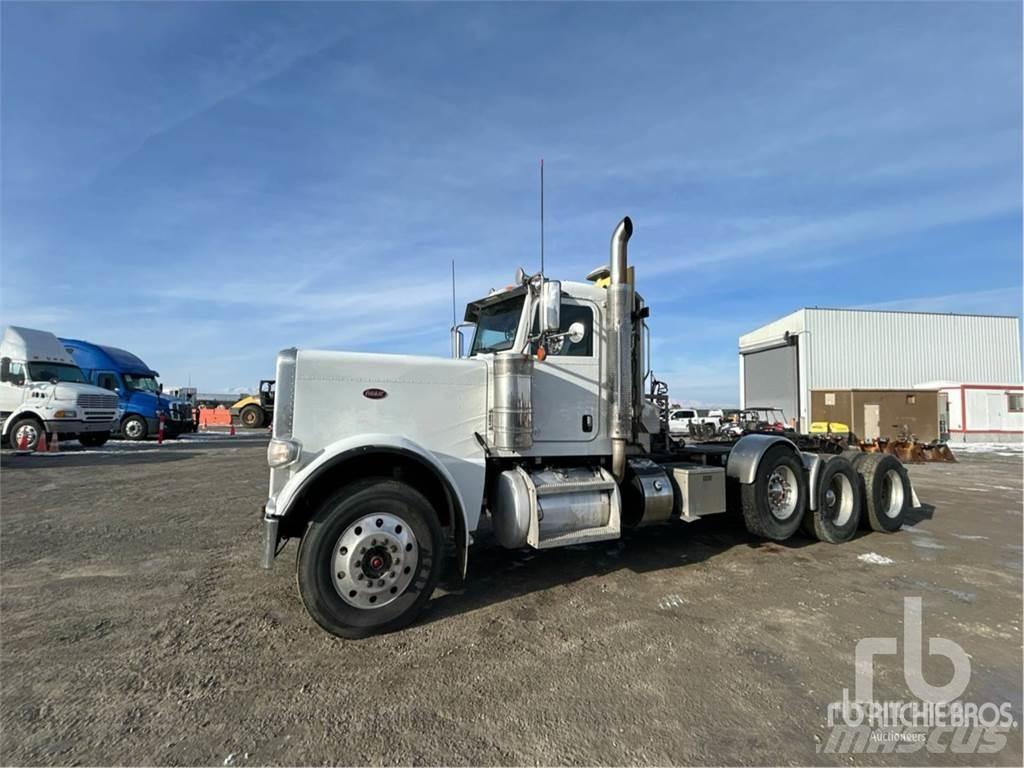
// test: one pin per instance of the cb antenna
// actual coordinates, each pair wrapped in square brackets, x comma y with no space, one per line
[542,217]
[454,321]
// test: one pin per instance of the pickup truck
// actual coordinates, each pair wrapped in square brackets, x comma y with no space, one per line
[680,420]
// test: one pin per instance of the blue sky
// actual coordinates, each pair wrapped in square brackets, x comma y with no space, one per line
[205,184]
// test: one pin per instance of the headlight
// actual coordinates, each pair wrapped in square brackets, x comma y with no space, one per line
[65,414]
[281,453]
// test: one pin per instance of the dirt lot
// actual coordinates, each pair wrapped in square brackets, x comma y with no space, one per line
[138,629]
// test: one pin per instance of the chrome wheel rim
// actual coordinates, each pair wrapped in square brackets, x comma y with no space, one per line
[27,432]
[838,502]
[374,561]
[133,428]
[892,493]
[782,493]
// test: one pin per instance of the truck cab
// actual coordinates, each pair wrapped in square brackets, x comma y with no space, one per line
[42,390]
[135,384]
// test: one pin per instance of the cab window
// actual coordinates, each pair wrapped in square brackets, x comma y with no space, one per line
[570,313]
[107,381]
[17,374]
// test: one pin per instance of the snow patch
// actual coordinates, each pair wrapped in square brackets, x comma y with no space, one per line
[875,559]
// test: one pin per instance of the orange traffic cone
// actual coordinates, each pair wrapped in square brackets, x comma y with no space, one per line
[232,432]
[23,444]
[54,444]
[41,443]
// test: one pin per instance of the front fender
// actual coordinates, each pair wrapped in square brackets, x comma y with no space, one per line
[464,477]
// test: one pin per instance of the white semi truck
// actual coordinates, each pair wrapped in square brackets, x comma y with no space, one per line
[42,389]
[384,466]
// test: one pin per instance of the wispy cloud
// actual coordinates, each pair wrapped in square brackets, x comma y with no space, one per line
[207,183]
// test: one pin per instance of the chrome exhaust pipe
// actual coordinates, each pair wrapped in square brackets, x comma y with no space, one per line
[620,333]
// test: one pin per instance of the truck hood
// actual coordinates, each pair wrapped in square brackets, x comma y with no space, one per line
[65,390]
[435,402]
[152,402]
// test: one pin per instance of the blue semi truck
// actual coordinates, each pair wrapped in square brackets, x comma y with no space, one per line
[141,397]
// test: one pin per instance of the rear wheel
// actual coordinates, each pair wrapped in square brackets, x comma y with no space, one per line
[886,489]
[94,439]
[774,504]
[838,503]
[370,559]
[251,416]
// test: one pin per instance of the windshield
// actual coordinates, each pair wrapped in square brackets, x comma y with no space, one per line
[143,383]
[496,326]
[58,371]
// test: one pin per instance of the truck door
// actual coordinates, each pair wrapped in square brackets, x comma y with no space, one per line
[567,383]
[12,386]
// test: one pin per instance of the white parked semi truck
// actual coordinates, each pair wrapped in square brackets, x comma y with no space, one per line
[42,389]
[384,466]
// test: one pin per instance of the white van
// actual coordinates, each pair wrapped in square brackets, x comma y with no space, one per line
[43,390]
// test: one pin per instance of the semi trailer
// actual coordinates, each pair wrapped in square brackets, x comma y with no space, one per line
[550,429]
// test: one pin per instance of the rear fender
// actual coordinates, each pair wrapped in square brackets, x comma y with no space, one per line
[747,454]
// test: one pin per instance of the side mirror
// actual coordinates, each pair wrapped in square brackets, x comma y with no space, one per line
[576,332]
[550,306]
[5,369]
[160,388]
[457,340]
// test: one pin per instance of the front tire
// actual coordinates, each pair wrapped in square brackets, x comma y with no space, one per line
[134,427]
[251,417]
[28,428]
[775,503]
[370,559]
[839,503]
[94,439]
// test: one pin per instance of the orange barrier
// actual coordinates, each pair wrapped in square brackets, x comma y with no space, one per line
[214,417]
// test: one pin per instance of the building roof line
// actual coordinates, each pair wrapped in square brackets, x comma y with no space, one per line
[907,312]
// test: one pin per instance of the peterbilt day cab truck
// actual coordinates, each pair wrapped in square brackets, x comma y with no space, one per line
[384,466]
[42,390]
[139,394]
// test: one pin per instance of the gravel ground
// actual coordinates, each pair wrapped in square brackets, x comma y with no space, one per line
[137,629]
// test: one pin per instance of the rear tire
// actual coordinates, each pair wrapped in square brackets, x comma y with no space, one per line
[885,489]
[839,503]
[251,417]
[775,503]
[370,559]
[94,439]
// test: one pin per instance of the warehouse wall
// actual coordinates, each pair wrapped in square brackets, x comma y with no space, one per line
[917,410]
[899,350]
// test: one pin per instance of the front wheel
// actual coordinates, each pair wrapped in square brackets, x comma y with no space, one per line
[134,428]
[370,559]
[25,432]
[251,416]
[94,439]
[775,503]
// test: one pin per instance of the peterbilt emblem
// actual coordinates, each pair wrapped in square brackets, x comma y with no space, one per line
[374,394]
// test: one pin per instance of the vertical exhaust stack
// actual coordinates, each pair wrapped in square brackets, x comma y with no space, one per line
[620,321]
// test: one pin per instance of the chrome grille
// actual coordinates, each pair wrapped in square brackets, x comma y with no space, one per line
[105,402]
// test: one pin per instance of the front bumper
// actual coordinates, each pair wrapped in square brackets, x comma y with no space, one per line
[77,426]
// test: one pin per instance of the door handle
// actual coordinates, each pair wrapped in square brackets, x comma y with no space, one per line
[588,422]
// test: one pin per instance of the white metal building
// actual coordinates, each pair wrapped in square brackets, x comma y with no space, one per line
[982,412]
[813,348]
